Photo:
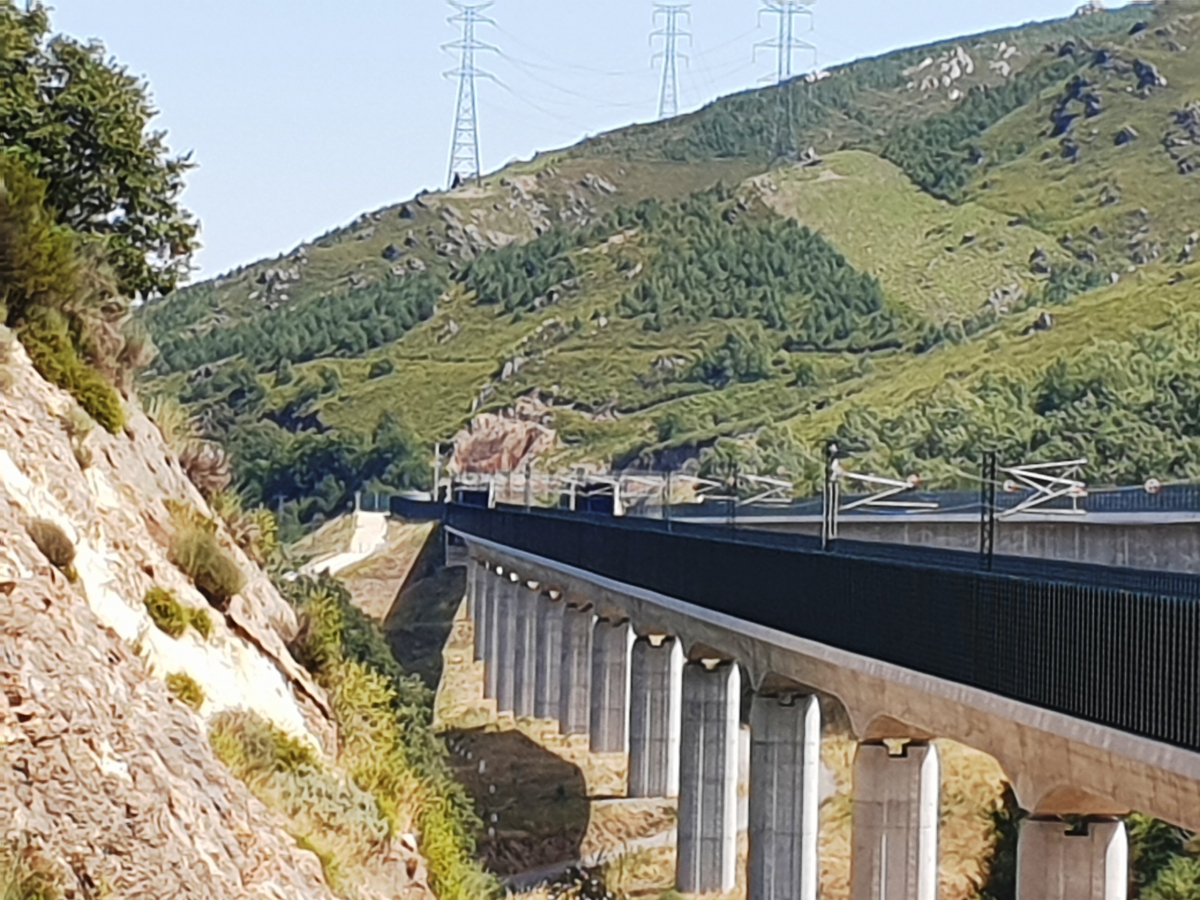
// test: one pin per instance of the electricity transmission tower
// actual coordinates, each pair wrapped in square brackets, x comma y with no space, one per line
[786,42]
[668,98]
[783,142]
[464,152]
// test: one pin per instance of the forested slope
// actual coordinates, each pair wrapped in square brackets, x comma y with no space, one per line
[981,243]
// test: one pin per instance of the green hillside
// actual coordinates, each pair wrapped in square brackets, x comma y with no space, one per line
[710,288]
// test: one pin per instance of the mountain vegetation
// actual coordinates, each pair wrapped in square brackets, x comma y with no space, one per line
[953,262]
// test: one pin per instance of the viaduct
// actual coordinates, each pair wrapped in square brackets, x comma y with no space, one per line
[671,641]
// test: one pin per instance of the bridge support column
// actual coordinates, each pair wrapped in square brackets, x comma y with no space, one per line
[894,854]
[575,695]
[550,614]
[610,687]
[473,569]
[708,779]
[525,651]
[1056,863]
[486,634]
[785,765]
[506,642]
[655,717]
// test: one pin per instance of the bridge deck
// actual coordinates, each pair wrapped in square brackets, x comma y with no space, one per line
[1117,647]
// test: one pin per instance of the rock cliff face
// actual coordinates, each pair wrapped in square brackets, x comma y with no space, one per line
[506,441]
[104,775]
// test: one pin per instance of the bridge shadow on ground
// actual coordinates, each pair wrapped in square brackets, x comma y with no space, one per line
[421,617]
[533,803]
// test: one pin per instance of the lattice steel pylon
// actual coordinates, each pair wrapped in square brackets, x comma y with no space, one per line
[784,46]
[464,151]
[668,98]
[786,42]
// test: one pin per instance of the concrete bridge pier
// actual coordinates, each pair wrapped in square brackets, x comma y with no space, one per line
[479,582]
[549,638]
[508,596]
[894,849]
[487,635]
[708,779]
[611,643]
[525,650]
[785,766]
[575,694]
[655,716]
[1055,862]
[474,567]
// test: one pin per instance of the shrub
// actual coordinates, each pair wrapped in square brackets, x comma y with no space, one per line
[54,544]
[173,421]
[207,466]
[381,367]
[582,883]
[198,554]
[248,744]
[326,812]
[200,620]
[186,688]
[25,875]
[166,612]
[47,337]
[79,426]
[256,532]
[173,618]
[385,719]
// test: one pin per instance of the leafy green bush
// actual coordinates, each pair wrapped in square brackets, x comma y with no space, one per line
[51,295]
[81,123]
[54,544]
[187,689]
[199,555]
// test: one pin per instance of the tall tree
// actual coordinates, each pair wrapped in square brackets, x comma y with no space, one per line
[81,123]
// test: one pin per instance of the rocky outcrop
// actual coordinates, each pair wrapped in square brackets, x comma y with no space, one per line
[120,511]
[506,441]
[102,772]
[108,776]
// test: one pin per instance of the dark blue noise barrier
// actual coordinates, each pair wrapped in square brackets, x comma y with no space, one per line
[1086,642]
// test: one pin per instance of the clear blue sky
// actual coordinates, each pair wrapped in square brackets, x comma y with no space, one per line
[304,113]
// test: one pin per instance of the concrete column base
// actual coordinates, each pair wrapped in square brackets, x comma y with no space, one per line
[655,716]
[785,767]
[1055,864]
[708,779]
[894,852]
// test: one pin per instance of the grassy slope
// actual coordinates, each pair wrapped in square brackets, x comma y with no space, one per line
[912,242]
